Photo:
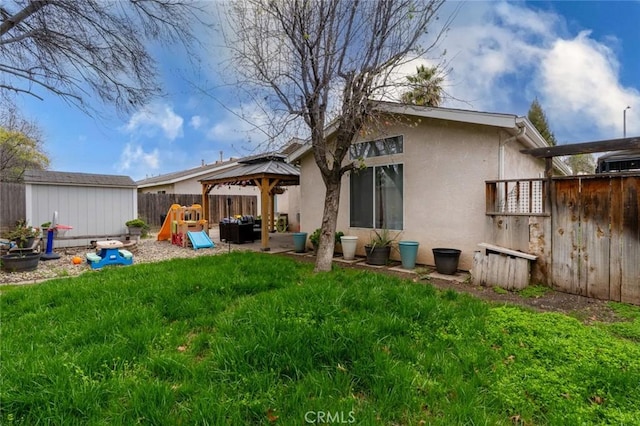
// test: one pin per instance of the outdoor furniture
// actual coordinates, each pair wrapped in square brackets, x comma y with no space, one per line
[236,233]
[110,253]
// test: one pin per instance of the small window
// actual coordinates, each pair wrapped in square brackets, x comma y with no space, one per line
[378,148]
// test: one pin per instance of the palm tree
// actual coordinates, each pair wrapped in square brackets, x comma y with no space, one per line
[426,87]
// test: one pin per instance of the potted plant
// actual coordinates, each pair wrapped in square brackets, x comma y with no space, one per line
[379,248]
[137,227]
[23,234]
[21,258]
[314,239]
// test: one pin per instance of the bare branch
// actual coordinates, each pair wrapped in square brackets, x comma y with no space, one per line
[322,61]
[76,48]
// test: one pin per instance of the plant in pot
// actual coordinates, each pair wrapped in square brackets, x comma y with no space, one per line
[137,227]
[314,239]
[21,258]
[23,234]
[379,248]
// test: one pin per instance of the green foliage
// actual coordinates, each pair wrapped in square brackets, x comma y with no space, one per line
[425,87]
[581,163]
[245,337]
[499,290]
[314,238]
[22,232]
[534,291]
[539,120]
[135,223]
[18,152]
[382,238]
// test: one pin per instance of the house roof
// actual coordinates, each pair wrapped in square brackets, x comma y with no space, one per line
[208,169]
[182,175]
[520,127]
[48,177]
[268,165]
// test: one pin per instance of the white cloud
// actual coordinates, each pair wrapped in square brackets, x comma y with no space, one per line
[580,79]
[197,121]
[247,122]
[154,117]
[133,157]
[503,55]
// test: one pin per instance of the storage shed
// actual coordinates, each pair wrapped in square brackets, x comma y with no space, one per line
[96,206]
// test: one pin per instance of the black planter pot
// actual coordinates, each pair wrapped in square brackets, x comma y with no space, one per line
[378,255]
[20,262]
[446,260]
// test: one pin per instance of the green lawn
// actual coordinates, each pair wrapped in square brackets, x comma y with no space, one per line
[251,338]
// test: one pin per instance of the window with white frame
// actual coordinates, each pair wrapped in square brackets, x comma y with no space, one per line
[376,197]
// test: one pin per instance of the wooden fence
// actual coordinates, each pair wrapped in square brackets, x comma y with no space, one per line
[12,204]
[588,239]
[152,207]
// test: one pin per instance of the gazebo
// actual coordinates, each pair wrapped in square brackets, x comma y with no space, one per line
[268,172]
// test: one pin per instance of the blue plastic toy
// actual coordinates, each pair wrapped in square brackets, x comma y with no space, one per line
[110,253]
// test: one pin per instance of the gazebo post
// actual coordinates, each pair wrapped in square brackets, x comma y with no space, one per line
[205,204]
[272,211]
[264,195]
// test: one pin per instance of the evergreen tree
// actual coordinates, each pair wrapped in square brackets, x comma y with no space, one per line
[538,118]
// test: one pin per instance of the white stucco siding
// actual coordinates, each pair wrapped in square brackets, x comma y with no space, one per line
[445,166]
[89,210]
[521,166]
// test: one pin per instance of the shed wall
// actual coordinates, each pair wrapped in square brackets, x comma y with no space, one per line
[89,210]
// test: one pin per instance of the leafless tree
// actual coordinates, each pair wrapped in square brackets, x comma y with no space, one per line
[80,48]
[324,61]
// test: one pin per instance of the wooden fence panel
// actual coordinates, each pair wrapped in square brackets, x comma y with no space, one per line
[152,207]
[595,237]
[630,241]
[12,204]
[617,238]
[566,233]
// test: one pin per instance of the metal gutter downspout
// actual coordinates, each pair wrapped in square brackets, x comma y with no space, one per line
[501,149]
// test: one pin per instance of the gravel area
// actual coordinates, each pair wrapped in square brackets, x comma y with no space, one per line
[145,251]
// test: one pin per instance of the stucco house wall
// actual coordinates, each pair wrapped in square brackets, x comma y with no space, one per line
[445,166]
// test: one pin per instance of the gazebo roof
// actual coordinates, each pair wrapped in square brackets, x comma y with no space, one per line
[269,165]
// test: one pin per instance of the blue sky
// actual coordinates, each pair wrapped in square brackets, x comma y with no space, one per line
[580,59]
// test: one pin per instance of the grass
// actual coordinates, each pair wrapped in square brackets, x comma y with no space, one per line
[250,338]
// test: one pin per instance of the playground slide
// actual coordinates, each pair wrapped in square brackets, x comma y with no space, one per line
[165,231]
[200,240]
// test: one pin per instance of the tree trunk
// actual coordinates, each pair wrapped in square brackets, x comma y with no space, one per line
[324,257]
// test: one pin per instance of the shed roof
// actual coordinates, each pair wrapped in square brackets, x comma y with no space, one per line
[47,177]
